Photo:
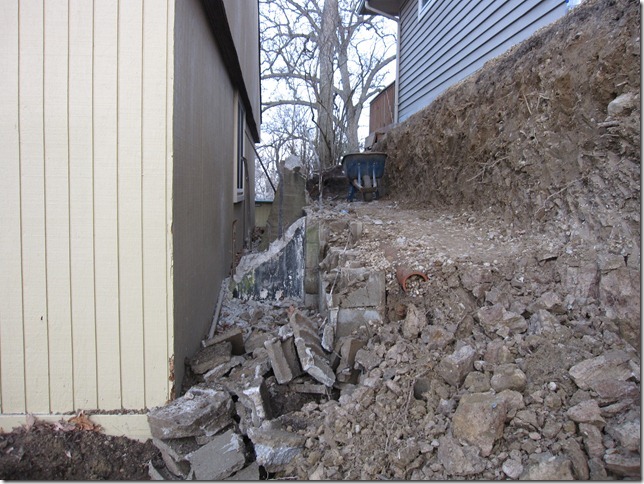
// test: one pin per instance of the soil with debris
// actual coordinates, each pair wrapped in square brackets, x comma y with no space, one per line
[518,355]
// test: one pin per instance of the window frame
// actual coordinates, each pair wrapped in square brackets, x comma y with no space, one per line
[239,171]
[423,7]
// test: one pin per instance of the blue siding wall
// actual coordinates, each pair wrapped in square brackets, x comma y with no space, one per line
[452,39]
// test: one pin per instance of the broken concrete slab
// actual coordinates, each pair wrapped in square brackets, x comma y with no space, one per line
[623,463]
[233,335]
[203,411]
[627,434]
[160,473]
[479,420]
[174,452]
[345,371]
[274,448]
[248,473]
[211,356]
[220,370]
[276,273]
[309,349]
[350,320]
[255,397]
[367,359]
[359,288]
[309,388]
[284,360]
[220,458]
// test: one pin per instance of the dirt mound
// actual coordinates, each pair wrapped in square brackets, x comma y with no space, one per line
[548,134]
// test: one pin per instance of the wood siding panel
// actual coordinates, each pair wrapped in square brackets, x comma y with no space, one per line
[86,254]
[453,39]
[81,195]
[32,162]
[154,174]
[106,272]
[57,206]
[12,358]
[130,39]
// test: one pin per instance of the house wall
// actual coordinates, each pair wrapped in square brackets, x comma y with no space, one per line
[86,216]
[452,39]
[208,227]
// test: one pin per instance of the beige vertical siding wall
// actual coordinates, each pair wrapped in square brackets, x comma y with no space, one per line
[86,103]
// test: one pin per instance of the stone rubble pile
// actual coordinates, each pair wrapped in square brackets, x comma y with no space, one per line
[494,368]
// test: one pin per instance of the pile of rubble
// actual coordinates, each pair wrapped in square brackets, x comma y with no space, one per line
[488,367]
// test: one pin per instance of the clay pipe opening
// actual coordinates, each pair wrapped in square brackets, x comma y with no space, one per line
[404,273]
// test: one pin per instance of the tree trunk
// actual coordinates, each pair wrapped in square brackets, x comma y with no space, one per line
[326,140]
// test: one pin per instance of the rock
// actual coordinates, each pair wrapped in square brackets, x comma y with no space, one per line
[201,411]
[210,357]
[512,468]
[543,322]
[479,420]
[597,470]
[274,448]
[366,359]
[619,292]
[497,353]
[586,412]
[623,104]
[477,382]
[513,401]
[550,301]
[548,468]
[593,442]
[414,322]
[508,377]
[623,464]
[455,367]
[627,433]
[218,459]
[436,337]
[404,456]
[577,458]
[459,460]
[497,321]
[612,365]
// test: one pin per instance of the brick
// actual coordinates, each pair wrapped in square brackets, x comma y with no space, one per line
[284,360]
[235,336]
[220,458]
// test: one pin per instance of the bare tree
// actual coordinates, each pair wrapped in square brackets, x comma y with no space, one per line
[322,56]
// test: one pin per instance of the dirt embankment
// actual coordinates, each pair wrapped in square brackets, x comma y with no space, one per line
[546,135]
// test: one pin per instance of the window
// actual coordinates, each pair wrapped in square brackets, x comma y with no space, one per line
[423,6]
[240,153]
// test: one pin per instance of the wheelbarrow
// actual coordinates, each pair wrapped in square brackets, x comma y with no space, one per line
[364,171]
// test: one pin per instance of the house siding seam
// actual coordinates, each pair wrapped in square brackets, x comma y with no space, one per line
[453,39]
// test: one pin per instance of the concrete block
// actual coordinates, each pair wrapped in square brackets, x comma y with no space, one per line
[358,288]
[350,320]
[220,370]
[274,448]
[220,458]
[309,388]
[255,397]
[211,356]
[235,336]
[248,473]
[313,364]
[173,453]
[345,371]
[284,360]
[201,411]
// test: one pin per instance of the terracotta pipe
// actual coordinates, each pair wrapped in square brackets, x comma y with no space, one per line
[404,273]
